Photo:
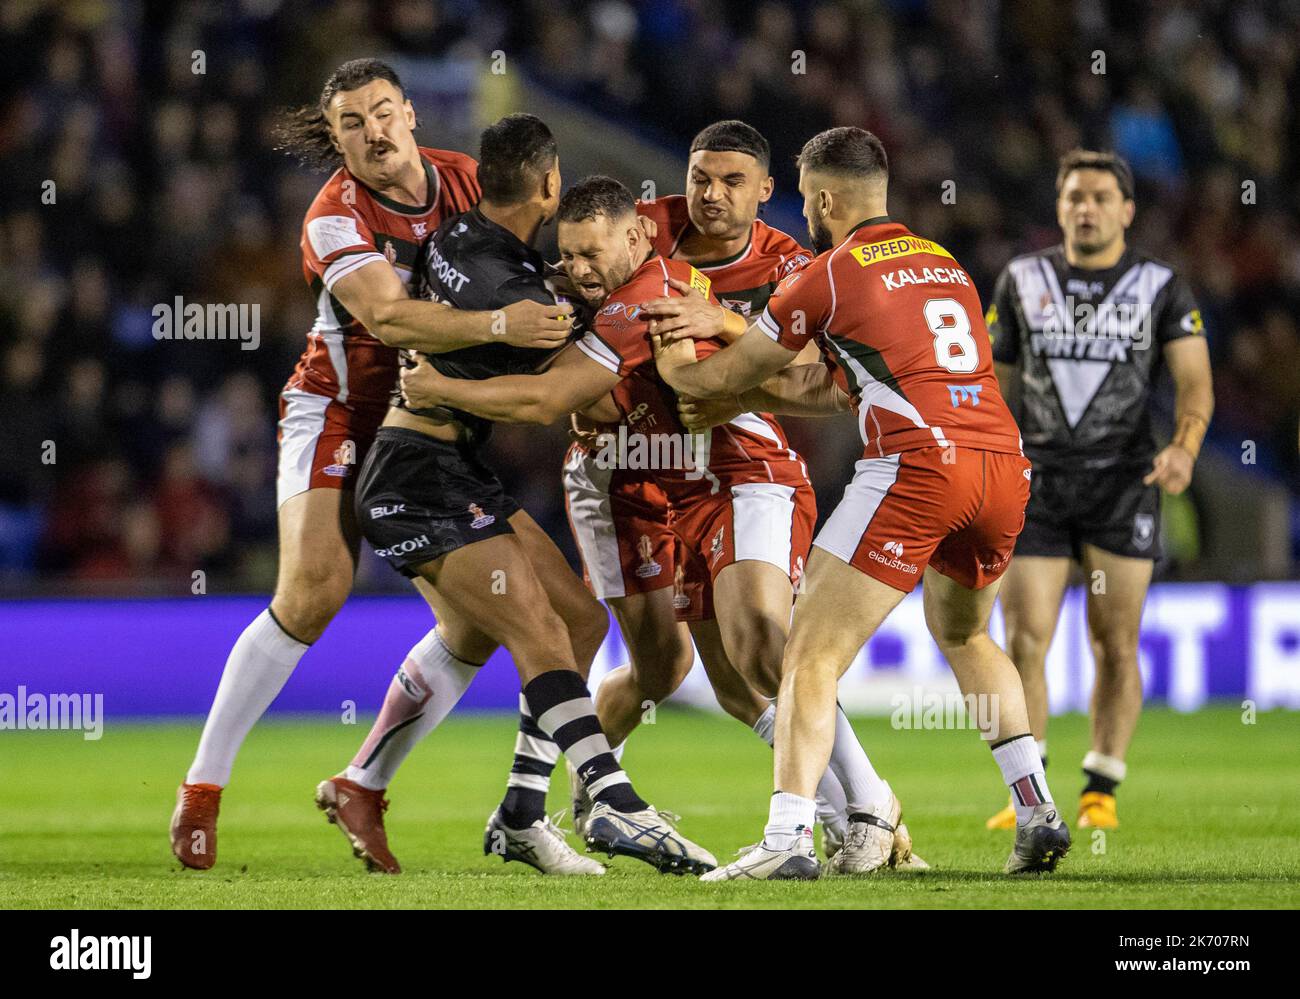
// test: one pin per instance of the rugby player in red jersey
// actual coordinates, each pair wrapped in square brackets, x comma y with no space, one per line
[360,239]
[940,491]
[740,497]
[632,558]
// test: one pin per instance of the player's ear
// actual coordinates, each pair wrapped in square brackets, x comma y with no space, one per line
[1130,209]
[765,189]
[409,110]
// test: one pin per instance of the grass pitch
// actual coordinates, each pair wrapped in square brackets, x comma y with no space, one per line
[1210,813]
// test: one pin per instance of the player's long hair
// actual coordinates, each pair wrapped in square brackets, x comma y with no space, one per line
[304,132]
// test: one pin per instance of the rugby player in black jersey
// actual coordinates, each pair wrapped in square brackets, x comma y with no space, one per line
[438,515]
[1080,333]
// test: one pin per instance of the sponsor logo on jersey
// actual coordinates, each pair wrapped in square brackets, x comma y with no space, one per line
[960,393]
[453,279]
[376,512]
[894,548]
[797,262]
[404,547]
[481,518]
[1192,323]
[1144,531]
[1087,289]
[628,313]
[737,305]
[700,283]
[421,229]
[648,567]
[901,246]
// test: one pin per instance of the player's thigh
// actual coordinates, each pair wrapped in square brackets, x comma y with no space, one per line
[954,613]
[582,613]
[659,646]
[1115,599]
[839,609]
[1032,590]
[751,602]
[734,693]
[465,639]
[318,548]
[491,584]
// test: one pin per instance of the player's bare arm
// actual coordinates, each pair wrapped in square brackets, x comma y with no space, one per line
[744,365]
[796,390]
[572,383]
[376,296]
[1188,359]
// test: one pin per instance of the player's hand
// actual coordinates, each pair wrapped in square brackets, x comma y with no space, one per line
[692,316]
[1171,470]
[533,324]
[423,385]
[701,414]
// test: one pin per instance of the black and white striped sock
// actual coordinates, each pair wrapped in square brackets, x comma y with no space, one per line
[561,704]
[530,775]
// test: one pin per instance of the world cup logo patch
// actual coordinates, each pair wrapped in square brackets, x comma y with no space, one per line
[648,567]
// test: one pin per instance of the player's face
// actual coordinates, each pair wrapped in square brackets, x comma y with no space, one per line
[1092,211]
[374,128]
[599,254]
[723,192]
[815,211]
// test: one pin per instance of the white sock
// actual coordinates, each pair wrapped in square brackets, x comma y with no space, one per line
[1111,767]
[864,789]
[259,665]
[427,686]
[1022,771]
[1042,752]
[832,805]
[789,818]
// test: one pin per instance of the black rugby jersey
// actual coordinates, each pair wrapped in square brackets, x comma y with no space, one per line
[474,264]
[1089,345]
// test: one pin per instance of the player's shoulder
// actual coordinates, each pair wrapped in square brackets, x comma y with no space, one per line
[337,196]
[449,159]
[671,214]
[1054,255]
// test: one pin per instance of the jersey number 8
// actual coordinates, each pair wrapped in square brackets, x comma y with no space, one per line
[948,321]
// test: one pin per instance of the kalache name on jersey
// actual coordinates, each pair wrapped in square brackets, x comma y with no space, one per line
[743,282]
[620,341]
[901,324]
[1088,342]
[347,227]
[472,263]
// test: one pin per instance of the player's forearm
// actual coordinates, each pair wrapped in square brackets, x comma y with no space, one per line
[799,390]
[733,327]
[1193,408]
[505,399]
[430,327]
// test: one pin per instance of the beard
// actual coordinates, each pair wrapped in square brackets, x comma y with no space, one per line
[821,237]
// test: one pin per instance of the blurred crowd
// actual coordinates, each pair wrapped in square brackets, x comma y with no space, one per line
[137,166]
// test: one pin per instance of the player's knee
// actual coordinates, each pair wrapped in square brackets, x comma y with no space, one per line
[760,646]
[659,668]
[1116,653]
[307,599]
[1026,647]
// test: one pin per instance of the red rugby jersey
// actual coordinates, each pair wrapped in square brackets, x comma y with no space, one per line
[901,323]
[751,448]
[347,227]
